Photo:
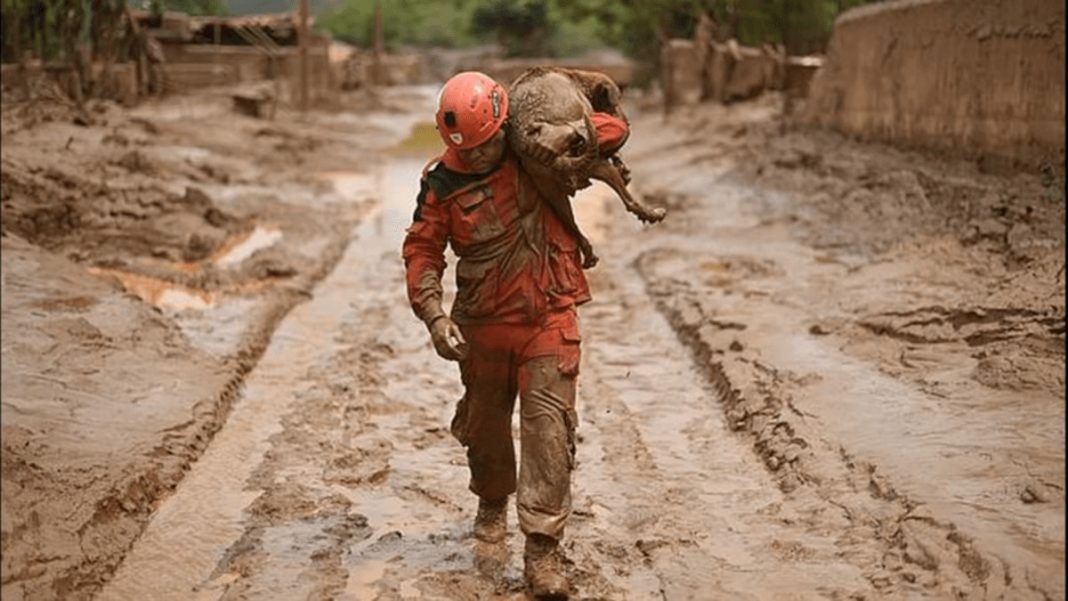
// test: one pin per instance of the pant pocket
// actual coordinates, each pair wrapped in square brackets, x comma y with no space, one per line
[569,354]
[458,427]
[571,420]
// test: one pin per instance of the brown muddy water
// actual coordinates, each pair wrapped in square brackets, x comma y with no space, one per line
[176,297]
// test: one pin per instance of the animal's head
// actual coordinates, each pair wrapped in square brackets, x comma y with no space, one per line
[550,116]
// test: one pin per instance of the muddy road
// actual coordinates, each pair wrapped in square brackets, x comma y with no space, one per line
[834,372]
[336,476]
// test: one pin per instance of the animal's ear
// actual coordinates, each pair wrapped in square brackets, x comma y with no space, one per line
[601,98]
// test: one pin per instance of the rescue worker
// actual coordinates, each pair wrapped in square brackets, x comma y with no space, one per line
[513,327]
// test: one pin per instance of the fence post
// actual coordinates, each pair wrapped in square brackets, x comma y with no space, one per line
[303,40]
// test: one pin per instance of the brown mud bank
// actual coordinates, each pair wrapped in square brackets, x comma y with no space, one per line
[887,328]
[147,259]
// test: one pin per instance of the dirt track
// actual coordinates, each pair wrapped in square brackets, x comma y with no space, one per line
[854,392]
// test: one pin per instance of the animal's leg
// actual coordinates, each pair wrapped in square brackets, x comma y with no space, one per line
[566,214]
[621,167]
[589,259]
[608,173]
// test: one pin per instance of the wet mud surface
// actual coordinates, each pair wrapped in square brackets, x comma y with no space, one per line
[834,372]
[336,476]
[147,259]
[886,323]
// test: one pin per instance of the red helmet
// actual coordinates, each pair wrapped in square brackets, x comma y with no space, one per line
[471,108]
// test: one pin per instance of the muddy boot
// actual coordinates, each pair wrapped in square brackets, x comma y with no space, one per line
[544,569]
[490,523]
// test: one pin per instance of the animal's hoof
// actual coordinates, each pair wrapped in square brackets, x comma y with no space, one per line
[654,216]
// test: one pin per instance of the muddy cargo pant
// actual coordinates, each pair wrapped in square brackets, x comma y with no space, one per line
[539,362]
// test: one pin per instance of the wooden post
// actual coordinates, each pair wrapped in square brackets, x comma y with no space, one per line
[667,69]
[379,48]
[303,40]
[141,67]
[216,31]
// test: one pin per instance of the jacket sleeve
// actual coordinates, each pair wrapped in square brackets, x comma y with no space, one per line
[424,255]
[612,132]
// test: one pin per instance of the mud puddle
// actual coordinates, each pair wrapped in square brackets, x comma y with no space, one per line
[243,247]
[160,293]
[177,297]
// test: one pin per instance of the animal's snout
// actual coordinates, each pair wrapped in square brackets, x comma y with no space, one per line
[569,139]
[576,146]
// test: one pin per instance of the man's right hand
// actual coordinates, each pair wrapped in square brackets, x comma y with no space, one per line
[447,339]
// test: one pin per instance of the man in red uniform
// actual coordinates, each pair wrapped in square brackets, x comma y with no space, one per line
[513,326]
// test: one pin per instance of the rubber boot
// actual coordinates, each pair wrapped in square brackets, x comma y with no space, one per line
[544,569]
[490,522]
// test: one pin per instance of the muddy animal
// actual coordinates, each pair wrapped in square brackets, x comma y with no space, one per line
[551,129]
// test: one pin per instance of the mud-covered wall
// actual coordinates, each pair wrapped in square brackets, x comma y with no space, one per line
[981,78]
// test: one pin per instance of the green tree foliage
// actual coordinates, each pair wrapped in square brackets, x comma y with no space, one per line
[635,26]
[193,7]
[803,26]
[521,27]
[49,29]
[404,22]
[52,29]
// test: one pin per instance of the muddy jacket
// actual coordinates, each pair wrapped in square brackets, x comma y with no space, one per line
[516,259]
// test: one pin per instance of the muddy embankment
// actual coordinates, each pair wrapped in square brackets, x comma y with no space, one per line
[147,258]
[980,79]
[886,327]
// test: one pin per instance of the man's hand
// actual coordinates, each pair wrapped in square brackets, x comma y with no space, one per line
[448,341]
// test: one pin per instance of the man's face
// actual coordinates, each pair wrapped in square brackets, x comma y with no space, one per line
[486,156]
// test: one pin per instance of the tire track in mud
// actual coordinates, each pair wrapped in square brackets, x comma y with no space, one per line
[336,476]
[943,512]
[120,515]
[912,549]
[917,554]
[178,546]
[669,503]
[802,462]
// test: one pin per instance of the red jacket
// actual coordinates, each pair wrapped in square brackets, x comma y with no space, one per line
[517,261]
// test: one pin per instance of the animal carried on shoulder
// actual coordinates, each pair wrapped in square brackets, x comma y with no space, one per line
[555,115]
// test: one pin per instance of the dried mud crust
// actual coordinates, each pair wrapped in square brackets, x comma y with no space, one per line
[107,399]
[938,276]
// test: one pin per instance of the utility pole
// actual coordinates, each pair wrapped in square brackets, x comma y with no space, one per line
[302,39]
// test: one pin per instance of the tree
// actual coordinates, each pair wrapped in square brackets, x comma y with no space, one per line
[636,26]
[804,26]
[406,22]
[521,26]
[195,7]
